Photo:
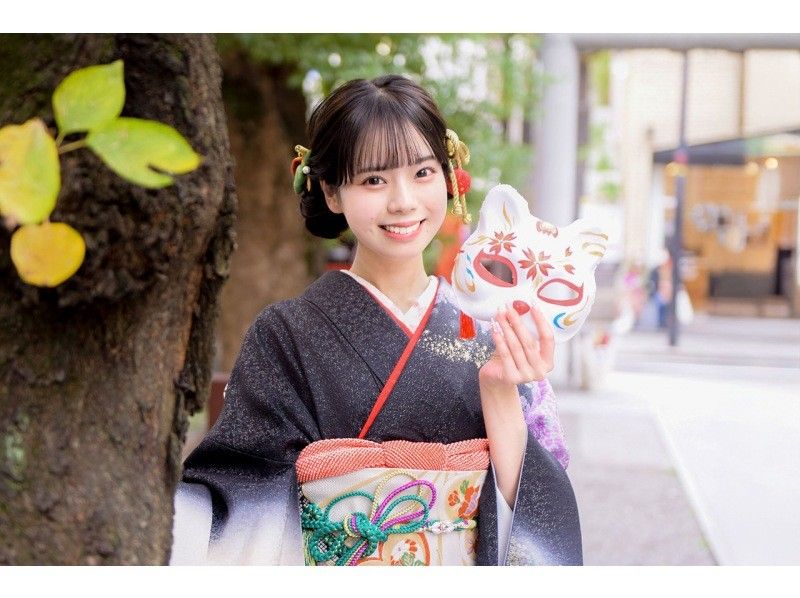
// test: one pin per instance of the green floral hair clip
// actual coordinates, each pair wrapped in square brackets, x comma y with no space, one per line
[300,169]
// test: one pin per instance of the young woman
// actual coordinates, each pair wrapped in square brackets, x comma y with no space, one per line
[358,427]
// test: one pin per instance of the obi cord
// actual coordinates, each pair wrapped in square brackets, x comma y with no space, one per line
[358,534]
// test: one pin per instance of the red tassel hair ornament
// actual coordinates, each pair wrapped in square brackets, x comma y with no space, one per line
[458,179]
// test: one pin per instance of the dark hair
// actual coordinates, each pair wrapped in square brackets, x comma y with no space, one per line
[365,125]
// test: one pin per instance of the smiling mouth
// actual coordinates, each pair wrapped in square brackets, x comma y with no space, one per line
[402,230]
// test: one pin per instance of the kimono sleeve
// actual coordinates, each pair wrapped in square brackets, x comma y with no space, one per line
[505,515]
[545,524]
[240,482]
[541,415]
[545,528]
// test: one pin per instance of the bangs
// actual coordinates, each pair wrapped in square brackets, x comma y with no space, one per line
[388,139]
[387,146]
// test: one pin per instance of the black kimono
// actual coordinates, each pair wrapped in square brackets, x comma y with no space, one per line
[310,368]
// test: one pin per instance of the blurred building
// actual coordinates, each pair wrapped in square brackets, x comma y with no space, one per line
[743,181]
[607,126]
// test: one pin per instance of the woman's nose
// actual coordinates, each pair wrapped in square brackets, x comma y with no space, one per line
[402,199]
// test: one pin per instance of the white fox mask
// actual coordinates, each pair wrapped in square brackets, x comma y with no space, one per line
[515,259]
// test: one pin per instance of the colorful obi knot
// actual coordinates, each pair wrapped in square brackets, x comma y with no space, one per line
[357,534]
[357,525]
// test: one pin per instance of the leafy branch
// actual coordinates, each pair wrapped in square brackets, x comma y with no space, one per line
[143,152]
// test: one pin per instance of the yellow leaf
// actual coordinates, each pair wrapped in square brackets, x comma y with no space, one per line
[142,151]
[89,97]
[30,175]
[47,254]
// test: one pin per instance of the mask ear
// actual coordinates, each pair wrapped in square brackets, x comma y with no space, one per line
[590,241]
[332,197]
[503,208]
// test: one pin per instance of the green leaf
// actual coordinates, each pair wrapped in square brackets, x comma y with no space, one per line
[89,98]
[133,147]
[407,559]
[30,175]
[47,254]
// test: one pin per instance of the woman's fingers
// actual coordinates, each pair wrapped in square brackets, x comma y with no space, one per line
[512,330]
[510,372]
[546,339]
[529,345]
[523,357]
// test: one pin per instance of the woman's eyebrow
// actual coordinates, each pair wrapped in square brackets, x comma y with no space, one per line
[382,167]
[423,159]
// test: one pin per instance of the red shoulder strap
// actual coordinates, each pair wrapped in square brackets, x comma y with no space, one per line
[398,368]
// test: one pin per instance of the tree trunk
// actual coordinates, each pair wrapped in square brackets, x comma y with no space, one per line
[97,375]
[276,257]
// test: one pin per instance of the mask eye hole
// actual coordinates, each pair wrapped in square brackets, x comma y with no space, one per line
[499,270]
[495,269]
[558,291]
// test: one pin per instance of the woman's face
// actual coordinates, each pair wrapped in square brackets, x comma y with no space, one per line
[394,213]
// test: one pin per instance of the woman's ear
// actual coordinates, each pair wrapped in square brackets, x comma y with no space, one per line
[331,197]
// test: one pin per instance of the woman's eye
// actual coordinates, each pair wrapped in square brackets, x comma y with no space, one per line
[427,171]
[373,180]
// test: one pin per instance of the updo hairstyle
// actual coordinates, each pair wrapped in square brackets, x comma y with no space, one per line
[366,125]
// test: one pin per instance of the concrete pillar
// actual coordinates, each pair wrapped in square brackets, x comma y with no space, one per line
[556,139]
[552,192]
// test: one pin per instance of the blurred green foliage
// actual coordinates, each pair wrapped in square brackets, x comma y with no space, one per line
[478,80]
[488,86]
[610,191]
[599,66]
[305,52]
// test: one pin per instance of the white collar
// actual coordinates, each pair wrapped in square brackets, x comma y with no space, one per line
[413,316]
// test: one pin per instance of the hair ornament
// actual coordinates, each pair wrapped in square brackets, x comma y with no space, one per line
[300,170]
[458,179]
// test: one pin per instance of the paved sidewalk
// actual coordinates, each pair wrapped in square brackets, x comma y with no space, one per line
[691,455]
[633,508]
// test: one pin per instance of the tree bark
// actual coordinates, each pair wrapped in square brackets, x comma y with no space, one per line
[97,376]
[276,257]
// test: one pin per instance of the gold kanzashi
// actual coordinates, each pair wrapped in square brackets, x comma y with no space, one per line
[457,155]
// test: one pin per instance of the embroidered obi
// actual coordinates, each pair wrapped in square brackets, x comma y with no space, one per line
[391,503]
